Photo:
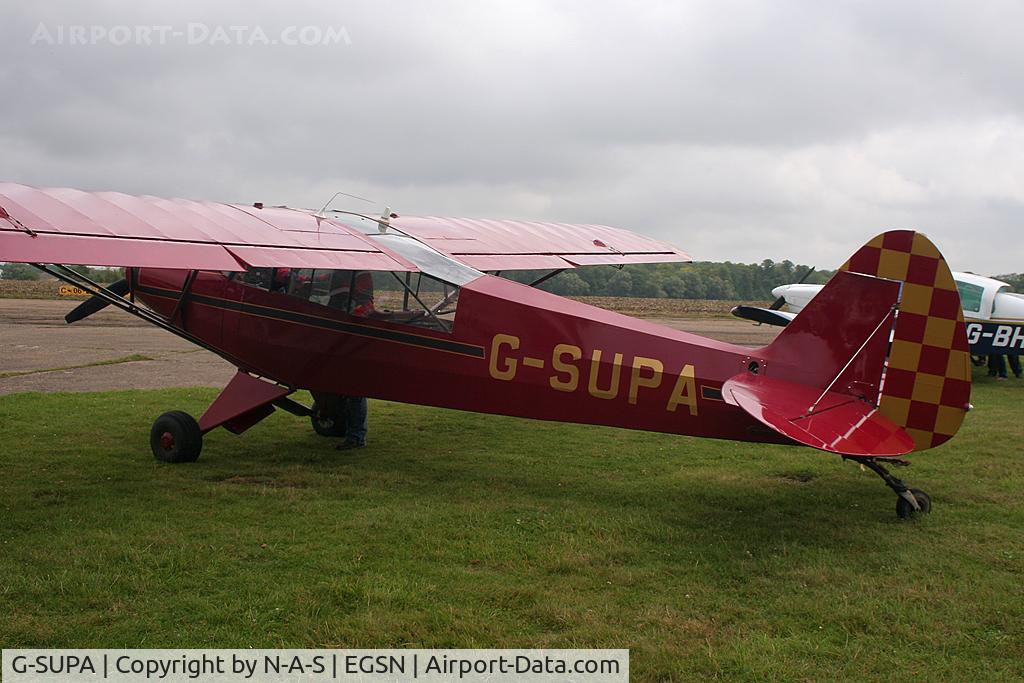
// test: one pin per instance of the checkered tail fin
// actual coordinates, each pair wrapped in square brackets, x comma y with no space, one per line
[926,386]
[875,365]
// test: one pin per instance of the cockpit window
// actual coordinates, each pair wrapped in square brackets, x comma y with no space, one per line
[413,299]
[428,260]
[970,296]
[426,299]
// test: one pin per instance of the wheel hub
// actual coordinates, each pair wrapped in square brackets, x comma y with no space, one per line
[167,441]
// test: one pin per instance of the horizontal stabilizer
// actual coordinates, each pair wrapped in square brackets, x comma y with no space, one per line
[830,421]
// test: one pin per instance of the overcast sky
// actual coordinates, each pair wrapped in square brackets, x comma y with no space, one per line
[735,130]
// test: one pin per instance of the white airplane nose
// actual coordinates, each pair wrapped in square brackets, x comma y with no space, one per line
[780,291]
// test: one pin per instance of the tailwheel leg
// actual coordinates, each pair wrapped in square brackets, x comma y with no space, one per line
[909,502]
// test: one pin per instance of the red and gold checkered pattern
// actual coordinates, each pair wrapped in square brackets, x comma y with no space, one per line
[927,384]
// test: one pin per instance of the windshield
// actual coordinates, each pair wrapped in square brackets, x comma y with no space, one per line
[427,259]
[430,261]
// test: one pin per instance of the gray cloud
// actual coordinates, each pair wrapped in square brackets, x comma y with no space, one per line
[736,130]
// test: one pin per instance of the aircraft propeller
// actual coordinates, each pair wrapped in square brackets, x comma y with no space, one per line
[94,303]
[781,301]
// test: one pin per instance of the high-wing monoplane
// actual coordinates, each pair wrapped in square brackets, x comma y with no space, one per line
[414,310]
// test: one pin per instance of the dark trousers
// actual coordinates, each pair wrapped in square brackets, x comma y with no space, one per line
[356,418]
[996,366]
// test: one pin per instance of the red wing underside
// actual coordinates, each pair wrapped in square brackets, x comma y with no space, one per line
[839,423]
[61,225]
[57,225]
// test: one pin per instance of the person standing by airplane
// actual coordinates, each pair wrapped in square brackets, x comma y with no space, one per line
[356,407]
[1014,360]
[356,423]
[997,366]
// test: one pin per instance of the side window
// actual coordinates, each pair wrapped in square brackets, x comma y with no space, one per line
[270,279]
[300,283]
[970,296]
[412,299]
[258,277]
[320,292]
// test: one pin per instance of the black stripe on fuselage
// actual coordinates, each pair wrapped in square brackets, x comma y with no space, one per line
[322,323]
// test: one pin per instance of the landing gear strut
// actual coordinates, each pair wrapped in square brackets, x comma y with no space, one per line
[909,502]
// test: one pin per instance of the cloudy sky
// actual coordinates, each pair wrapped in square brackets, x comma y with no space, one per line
[736,130]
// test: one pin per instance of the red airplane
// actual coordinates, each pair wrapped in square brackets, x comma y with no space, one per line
[875,367]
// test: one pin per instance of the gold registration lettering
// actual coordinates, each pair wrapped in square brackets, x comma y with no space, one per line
[637,378]
[684,392]
[572,373]
[595,370]
[507,369]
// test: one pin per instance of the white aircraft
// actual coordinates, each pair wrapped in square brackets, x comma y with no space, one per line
[994,315]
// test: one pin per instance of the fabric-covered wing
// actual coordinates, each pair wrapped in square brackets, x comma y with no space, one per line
[523,245]
[59,225]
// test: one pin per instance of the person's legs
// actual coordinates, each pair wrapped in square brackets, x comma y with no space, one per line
[996,366]
[1014,364]
[356,419]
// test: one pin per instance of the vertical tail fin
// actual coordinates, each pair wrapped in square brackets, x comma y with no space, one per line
[877,363]
[927,384]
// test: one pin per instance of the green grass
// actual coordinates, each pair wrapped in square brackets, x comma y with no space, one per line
[705,558]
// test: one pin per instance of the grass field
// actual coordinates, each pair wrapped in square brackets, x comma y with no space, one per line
[716,559]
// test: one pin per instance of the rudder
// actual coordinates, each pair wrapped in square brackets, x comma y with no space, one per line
[926,388]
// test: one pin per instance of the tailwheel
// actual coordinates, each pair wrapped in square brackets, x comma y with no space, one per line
[905,508]
[910,503]
[175,437]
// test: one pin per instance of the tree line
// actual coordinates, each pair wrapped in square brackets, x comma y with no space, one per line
[702,280]
[23,271]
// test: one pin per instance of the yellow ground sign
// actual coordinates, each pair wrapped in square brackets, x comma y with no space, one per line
[68,290]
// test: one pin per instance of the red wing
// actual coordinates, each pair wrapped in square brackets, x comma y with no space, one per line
[59,225]
[523,245]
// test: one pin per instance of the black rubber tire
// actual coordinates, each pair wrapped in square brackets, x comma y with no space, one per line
[327,425]
[904,510]
[175,437]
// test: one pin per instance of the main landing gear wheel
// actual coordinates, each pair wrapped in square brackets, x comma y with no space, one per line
[327,423]
[910,503]
[175,437]
[905,509]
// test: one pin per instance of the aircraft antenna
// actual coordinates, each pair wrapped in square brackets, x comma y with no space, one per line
[323,211]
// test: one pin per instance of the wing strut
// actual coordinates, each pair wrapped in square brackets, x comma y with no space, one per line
[185,291]
[75,279]
[545,278]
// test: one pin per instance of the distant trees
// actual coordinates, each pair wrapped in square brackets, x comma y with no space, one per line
[18,271]
[706,280]
[23,271]
[1015,280]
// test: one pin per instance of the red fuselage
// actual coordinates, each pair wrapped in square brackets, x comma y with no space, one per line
[513,350]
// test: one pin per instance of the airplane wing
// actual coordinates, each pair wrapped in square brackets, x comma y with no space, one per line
[492,245]
[61,225]
[66,226]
